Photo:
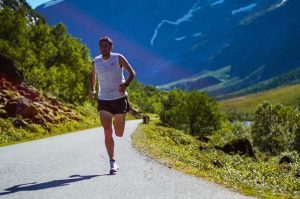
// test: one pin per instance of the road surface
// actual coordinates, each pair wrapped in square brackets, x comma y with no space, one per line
[75,165]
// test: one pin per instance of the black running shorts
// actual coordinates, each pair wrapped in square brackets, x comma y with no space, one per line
[116,106]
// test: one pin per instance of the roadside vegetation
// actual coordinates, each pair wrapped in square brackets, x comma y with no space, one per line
[194,136]
[262,176]
[9,134]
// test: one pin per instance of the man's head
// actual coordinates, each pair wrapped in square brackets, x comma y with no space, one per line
[105,45]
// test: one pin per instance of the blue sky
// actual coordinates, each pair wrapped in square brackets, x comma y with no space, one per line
[35,3]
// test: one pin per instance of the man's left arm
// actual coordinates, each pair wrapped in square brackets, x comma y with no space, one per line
[125,64]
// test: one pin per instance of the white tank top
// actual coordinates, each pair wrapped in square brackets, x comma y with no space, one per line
[110,76]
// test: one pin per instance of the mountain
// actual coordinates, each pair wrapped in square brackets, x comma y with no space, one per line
[169,42]
[16,4]
[290,78]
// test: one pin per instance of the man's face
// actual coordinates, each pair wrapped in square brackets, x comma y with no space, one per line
[105,47]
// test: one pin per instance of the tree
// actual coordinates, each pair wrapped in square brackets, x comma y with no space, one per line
[192,111]
[203,114]
[275,128]
[174,111]
[50,58]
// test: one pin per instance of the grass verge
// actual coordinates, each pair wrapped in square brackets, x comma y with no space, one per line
[263,178]
[87,112]
[12,135]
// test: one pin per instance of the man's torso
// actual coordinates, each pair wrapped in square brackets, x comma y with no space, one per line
[110,76]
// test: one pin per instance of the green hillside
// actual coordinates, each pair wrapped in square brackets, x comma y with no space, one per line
[289,95]
[216,83]
[201,80]
[222,86]
[292,77]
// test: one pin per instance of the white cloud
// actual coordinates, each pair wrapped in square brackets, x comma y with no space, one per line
[180,38]
[51,3]
[197,34]
[283,2]
[184,18]
[217,2]
[244,9]
[184,37]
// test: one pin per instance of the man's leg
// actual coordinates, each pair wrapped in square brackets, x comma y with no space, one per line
[106,121]
[119,124]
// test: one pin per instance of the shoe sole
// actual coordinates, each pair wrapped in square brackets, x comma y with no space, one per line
[113,171]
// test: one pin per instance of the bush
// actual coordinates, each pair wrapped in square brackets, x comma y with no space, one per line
[275,128]
[172,112]
[193,111]
[147,98]
[203,114]
[230,131]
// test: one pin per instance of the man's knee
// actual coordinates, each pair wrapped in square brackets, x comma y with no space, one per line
[119,133]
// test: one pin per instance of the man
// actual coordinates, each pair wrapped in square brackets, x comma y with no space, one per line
[112,96]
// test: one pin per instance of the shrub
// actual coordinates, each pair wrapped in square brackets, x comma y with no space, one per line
[275,127]
[173,113]
[202,113]
[193,111]
[230,131]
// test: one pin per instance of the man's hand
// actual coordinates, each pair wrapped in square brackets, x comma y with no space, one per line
[92,94]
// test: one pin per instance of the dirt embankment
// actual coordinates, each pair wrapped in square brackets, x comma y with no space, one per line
[25,103]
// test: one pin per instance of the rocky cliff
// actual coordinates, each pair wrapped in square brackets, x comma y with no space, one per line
[25,103]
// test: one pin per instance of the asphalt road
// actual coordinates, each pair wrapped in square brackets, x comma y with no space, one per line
[75,165]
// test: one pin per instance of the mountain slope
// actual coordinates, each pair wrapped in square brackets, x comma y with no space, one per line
[177,41]
[247,104]
[292,77]
[16,4]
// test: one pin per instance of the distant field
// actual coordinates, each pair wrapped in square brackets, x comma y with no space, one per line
[289,95]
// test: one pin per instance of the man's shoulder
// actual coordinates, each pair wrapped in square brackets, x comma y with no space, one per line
[116,54]
[97,58]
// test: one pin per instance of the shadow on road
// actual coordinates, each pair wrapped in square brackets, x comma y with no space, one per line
[34,186]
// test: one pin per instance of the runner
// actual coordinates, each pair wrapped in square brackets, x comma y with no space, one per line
[112,96]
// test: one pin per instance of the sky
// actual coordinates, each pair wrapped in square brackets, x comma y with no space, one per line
[35,3]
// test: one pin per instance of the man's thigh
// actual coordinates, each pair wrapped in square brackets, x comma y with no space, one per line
[119,124]
[106,119]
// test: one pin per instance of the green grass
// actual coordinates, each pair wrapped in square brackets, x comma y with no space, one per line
[289,95]
[262,177]
[89,119]
[12,135]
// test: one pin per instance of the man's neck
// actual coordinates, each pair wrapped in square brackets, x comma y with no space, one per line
[106,57]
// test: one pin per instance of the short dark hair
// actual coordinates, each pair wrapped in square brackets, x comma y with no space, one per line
[105,38]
